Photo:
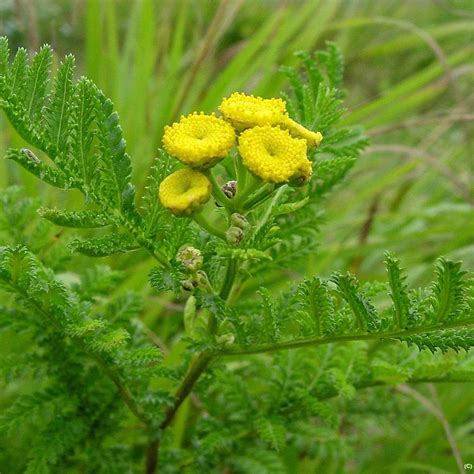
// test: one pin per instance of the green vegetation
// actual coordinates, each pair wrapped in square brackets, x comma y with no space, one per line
[301,344]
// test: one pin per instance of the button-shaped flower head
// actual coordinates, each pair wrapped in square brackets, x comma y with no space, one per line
[245,111]
[274,155]
[199,140]
[184,191]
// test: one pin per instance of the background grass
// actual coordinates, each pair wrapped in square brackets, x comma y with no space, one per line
[409,78]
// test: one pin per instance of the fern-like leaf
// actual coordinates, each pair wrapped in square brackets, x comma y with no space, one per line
[76,219]
[363,310]
[103,246]
[447,297]
[37,82]
[399,292]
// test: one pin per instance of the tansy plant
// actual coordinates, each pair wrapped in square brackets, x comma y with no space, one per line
[230,363]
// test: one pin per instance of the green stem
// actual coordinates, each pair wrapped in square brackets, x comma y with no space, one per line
[218,194]
[201,220]
[195,370]
[259,197]
[240,176]
[229,279]
[317,341]
[144,242]
[152,456]
[251,185]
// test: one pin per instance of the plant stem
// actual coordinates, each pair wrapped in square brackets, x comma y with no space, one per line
[262,195]
[201,220]
[229,279]
[240,176]
[218,194]
[152,456]
[317,341]
[197,368]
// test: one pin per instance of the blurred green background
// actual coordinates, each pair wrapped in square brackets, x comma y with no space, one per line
[409,81]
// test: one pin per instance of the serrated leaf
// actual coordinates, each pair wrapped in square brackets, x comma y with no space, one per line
[103,246]
[75,219]
[363,310]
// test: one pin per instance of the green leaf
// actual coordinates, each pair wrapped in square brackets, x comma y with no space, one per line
[48,174]
[273,431]
[455,339]
[399,292]
[37,82]
[103,246]
[361,307]
[318,303]
[83,161]
[116,172]
[4,55]
[59,110]
[76,219]
[447,297]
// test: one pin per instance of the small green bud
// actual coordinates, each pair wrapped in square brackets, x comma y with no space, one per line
[238,220]
[234,235]
[190,258]
[189,315]
[226,339]
[189,285]
[203,281]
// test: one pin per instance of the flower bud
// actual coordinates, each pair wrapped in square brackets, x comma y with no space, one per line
[189,315]
[203,281]
[229,189]
[190,258]
[226,339]
[238,220]
[234,235]
[189,284]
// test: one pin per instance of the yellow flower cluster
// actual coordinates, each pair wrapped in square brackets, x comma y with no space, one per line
[184,191]
[246,111]
[271,144]
[199,140]
[274,155]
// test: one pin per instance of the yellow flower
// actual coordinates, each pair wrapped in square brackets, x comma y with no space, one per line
[199,140]
[246,111]
[274,155]
[184,191]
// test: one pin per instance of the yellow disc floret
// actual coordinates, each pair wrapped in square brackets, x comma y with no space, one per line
[184,191]
[245,111]
[274,155]
[199,140]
